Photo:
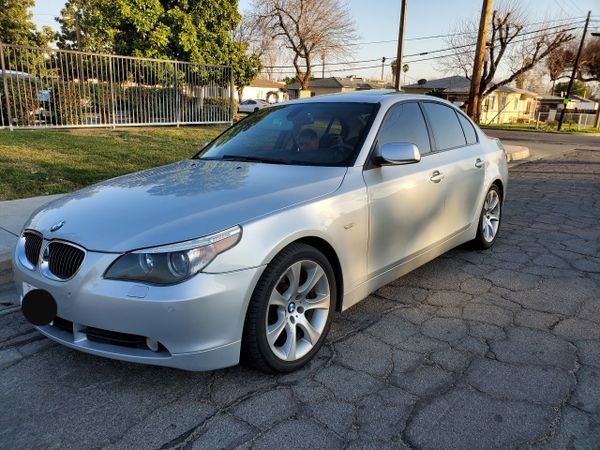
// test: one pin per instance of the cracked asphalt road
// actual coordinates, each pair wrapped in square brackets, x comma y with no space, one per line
[492,349]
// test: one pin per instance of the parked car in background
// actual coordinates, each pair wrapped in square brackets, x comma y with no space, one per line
[250,105]
[247,249]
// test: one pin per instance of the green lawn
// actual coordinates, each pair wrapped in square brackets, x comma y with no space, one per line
[567,127]
[40,162]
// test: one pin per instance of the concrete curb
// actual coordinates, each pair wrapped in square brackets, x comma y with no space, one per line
[516,152]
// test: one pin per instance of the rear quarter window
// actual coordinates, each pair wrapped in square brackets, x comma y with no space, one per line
[468,128]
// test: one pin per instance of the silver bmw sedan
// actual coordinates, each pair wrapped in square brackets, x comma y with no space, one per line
[246,250]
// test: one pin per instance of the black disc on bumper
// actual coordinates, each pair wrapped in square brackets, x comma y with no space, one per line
[39,307]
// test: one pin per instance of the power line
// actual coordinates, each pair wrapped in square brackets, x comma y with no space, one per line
[472,33]
[440,50]
[496,46]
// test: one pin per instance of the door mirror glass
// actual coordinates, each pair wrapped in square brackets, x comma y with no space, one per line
[399,153]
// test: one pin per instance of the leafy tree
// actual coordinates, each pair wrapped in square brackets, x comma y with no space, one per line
[190,30]
[579,88]
[245,69]
[86,25]
[17,27]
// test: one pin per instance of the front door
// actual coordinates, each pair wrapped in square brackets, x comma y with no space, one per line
[406,202]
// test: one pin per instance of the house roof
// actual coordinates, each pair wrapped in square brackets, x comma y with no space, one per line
[581,99]
[551,98]
[259,83]
[554,98]
[457,84]
[339,82]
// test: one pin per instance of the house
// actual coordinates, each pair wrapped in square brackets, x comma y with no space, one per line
[576,102]
[335,85]
[505,105]
[267,90]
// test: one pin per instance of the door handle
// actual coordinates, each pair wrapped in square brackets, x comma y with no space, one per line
[479,163]
[436,176]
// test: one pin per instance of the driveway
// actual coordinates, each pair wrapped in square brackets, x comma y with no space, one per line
[489,349]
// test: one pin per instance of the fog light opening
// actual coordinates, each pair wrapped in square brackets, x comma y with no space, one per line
[152,344]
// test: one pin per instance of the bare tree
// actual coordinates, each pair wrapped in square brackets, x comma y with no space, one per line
[253,32]
[512,50]
[309,28]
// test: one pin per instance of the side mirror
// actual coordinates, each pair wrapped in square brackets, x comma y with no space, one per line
[399,153]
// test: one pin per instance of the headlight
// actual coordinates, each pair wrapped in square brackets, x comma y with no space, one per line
[174,262]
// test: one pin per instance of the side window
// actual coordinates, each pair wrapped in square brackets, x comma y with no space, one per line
[405,123]
[446,127]
[468,129]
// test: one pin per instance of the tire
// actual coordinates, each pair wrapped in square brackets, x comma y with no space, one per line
[255,109]
[286,309]
[489,219]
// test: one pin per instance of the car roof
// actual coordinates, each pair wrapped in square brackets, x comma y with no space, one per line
[383,96]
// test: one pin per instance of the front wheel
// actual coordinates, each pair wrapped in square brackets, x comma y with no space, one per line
[290,311]
[489,220]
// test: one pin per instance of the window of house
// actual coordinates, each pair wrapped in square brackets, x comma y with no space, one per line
[445,126]
[405,123]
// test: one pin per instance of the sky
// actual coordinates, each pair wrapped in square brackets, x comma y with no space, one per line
[377,20]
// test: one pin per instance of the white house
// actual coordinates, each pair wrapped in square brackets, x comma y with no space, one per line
[270,91]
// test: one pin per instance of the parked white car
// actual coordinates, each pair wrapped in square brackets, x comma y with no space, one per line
[251,105]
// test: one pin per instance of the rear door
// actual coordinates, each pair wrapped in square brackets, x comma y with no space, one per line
[463,164]
[406,202]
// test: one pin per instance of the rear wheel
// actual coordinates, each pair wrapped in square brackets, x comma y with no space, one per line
[290,310]
[489,219]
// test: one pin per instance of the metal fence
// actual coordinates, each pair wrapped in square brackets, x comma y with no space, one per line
[41,87]
[573,119]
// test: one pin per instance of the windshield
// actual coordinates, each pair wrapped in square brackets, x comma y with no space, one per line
[324,134]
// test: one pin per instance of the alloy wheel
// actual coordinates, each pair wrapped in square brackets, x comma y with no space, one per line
[297,310]
[490,216]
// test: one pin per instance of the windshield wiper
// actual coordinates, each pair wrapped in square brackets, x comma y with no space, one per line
[254,159]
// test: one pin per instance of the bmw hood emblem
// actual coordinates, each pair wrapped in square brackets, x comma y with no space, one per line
[57,226]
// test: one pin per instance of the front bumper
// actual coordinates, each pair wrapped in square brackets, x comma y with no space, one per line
[198,323]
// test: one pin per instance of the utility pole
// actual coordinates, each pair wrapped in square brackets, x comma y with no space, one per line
[574,73]
[400,46]
[382,67]
[473,105]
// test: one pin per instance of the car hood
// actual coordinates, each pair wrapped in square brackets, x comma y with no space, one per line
[178,202]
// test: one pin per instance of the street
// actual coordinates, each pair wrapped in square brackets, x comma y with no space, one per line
[477,349]
[543,145]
